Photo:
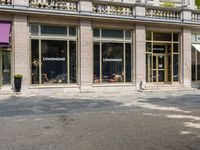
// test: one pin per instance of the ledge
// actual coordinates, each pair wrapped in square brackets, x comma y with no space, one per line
[53,86]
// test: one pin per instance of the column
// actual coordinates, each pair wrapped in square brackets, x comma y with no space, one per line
[186,57]
[21,49]
[86,56]
[140,52]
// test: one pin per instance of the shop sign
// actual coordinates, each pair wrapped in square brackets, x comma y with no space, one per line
[158,49]
[112,60]
[54,58]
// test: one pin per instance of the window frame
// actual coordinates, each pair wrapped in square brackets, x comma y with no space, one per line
[123,41]
[68,38]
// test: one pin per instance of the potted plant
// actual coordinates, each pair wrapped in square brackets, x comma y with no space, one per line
[18,82]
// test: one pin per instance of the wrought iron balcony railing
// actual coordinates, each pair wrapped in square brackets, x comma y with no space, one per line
[54,4]
[112,9]
[163,13]
[5,2]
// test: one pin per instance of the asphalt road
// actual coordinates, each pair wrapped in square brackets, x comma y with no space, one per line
[138,121]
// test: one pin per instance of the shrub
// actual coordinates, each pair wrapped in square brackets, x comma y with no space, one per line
[168,4]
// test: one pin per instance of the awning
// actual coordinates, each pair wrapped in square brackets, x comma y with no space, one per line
[4,33]
[196,46]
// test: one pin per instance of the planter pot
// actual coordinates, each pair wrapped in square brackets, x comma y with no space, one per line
[18,83]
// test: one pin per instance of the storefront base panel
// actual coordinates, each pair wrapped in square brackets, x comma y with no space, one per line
[52,91]
[196,85]
[113,89]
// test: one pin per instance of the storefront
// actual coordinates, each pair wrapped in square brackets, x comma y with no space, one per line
[162,57]
[5,54]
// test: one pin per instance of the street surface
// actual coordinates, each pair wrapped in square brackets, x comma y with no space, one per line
[87,121]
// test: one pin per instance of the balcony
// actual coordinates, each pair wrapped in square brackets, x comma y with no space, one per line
[112,9]
[54,4]
[195,16]
[118,9]
[163,13]
[5,2]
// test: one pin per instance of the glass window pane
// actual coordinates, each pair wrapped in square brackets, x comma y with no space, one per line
[112,62]
[193,64]
[175,47]
[175,37]
[96,58]
[176,72]
[51,30]
[148,47]
[54,62]
[193,38]
[128,35]
[112,33]
[149,67]
[35,61]
[148,36]
[34,29]
[96,33]
[161,36]
[6,67]
[72,31]
[198,66]
[128,62]
[198,38]
[169,68]
[72,58]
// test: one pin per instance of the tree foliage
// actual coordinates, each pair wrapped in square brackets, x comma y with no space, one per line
[198,3]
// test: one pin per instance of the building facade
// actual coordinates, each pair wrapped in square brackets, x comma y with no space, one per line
[71,46]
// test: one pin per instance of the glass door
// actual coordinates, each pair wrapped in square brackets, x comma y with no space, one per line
[5,67]
[159,68]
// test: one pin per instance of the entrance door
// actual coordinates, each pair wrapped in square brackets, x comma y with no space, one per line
[159,68]
[5,67]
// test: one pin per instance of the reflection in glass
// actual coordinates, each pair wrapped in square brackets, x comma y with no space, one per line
[128,62]
[72,58]
[35,61]
[52,30]
[162,36]
[198,65]
[175,37]
[96,60]
[112,33]
[169,68]
[96,33]
[148,47]
[72,31]
[149,67]
[112,62]
[6,67]
[193,64]
[148,36]
[175,63]
[54,61]
[175,48]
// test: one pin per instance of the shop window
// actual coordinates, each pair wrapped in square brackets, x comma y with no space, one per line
[73,61]
[72,31]
[193,64]
[112,60]
[162,36]
[96,33]
[148,36]
[128,62]
[175,63]
[35,61]
[34,29]
[112,33]
[96,61]
[54,61]
[51,30]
